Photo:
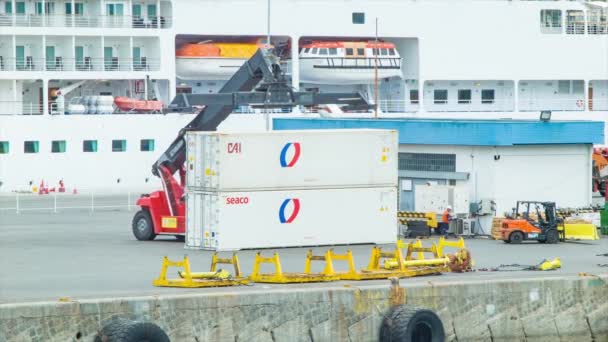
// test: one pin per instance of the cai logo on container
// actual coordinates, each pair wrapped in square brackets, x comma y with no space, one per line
[290,154]
[289,210]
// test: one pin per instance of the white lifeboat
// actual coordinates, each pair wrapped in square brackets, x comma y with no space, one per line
[212,60]
[341,62]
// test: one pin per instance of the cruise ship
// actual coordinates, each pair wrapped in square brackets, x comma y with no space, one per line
[83,83]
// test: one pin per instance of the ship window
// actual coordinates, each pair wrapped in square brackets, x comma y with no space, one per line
[30,146]
[20,7]
[119,145]
[89,146]
[4,147]
[146,145]
[464,96]
[8,7]
[58,146]
[361,51]
[563,87]
[333,51]
[349,51]
[440,96]
[597,21]
[578,87]
[358,18]
[551,21]
[306,50]
[414,96]
[314,51]
[391,52]
[383,52]
[322,51]
[575,22]
[487,96]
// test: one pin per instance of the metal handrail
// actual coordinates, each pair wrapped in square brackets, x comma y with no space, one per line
[71,20]
[85,64]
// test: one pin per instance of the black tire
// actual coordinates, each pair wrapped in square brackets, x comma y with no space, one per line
[143,229]
[552,236]
[516,237]
[123,330]
[410,324]
[180,238]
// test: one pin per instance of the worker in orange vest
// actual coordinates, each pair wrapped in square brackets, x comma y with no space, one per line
[444,225]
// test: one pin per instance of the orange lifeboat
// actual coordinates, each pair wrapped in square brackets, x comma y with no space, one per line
[127,104]
[348,62]
[212,60]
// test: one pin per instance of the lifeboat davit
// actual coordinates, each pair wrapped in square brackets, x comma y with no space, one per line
[211,60]
[127,104]
[348,62]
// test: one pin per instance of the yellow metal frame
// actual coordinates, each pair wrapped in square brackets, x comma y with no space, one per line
[280,277]
[430,217]
[193,279]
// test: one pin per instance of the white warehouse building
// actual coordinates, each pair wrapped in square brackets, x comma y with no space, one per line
[500,160]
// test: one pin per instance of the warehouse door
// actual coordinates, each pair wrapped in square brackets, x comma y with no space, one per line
[543,175]
[407,188]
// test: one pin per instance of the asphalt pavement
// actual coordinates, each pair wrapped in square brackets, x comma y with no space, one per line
[84,253]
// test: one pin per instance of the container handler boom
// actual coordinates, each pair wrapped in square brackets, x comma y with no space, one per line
[259,83]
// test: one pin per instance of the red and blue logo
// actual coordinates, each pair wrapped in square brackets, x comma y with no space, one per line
[295,209]
[294,156]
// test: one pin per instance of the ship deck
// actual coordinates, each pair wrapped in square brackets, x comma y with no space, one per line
[80,254]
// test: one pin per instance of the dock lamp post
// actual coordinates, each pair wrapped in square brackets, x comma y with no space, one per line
[545,115]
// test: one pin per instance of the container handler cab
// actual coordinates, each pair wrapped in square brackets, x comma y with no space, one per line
[259,83]
[533,221]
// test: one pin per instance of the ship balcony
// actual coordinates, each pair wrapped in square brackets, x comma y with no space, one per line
[59,63]
[84,21]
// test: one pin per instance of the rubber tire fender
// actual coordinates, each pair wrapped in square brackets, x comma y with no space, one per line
[149,233]
[406,324]
[123,330]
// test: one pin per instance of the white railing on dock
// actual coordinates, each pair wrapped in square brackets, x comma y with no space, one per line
[20,203]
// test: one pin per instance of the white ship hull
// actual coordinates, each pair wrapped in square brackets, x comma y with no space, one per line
[106,171]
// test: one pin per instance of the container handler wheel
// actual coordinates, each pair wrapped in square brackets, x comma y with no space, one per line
[411,324]
[143,229]
[516,237]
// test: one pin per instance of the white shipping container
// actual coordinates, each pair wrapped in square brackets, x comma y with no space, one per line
[286,218]
[291,159]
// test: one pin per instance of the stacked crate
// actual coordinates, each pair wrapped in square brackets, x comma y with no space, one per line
[496,225]
[290,188]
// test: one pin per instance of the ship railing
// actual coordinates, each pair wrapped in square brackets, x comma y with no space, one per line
[59,63]
[60,199]
[357,63]
[69,20]
[20,108]
[27,63]
[597,28]
[476,105]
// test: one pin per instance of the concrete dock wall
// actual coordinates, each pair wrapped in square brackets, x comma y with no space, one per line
[543,309]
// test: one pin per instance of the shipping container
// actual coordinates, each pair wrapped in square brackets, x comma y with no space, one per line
[291,159]
[288,218]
